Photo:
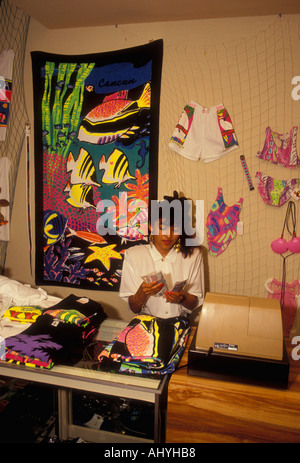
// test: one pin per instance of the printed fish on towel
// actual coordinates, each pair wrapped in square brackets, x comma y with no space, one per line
[116,117]
[130,234]
[116,168]
[82,170]
[87,236]
[141,216]
[137,227]
[80,195]
[75,254]
[54,226]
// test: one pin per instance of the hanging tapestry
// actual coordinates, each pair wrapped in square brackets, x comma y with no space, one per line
[96,148]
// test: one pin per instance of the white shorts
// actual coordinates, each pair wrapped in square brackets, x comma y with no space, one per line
[203,133]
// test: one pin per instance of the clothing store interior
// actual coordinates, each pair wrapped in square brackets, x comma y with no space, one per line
[149,223]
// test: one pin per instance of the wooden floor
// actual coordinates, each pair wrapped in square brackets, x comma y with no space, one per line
[214,411]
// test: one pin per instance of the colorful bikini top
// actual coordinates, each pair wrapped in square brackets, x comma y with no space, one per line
[221,224]
[280,149]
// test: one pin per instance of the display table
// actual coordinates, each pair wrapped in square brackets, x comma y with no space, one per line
[81,378]
[213,411]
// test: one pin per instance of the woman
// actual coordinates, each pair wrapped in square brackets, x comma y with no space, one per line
[167,252]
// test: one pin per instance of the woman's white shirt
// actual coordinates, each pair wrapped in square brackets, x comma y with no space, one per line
[141,260]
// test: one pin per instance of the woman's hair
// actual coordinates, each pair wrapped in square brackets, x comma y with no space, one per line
[177,214]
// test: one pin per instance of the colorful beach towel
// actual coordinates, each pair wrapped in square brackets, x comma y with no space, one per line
[147,346]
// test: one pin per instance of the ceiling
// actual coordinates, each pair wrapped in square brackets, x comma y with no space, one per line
[56,14]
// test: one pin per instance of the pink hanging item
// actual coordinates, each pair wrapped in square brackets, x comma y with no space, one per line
[287,294]
[281,245]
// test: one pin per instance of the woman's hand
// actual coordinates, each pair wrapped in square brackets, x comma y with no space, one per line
[187,300]
[174,297]
[137,300]
[150,289]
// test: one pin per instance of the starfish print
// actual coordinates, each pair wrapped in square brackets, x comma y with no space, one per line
[103,254]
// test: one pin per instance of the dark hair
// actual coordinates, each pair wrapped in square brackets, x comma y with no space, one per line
[181,219]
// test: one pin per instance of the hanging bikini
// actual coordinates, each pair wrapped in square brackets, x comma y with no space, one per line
[280,149]
[276,192]
[221,224]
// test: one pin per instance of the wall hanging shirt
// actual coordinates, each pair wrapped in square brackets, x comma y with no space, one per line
[6,68]
[221,224]
[4,199]
[203,133]
[280,149]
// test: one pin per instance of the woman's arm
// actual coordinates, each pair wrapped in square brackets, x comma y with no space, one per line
[194,296]
[187,300]
[139,299]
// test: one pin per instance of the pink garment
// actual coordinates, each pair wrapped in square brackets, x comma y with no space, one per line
[221,224]
[280,149]
[289,306]
[276,192]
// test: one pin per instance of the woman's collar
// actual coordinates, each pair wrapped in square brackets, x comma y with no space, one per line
[156,255]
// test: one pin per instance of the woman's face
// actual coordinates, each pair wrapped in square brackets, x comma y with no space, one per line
[165,237]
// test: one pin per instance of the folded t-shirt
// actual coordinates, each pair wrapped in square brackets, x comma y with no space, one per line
[80,310]
[48,339]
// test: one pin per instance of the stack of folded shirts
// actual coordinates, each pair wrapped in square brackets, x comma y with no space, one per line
[58,335]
